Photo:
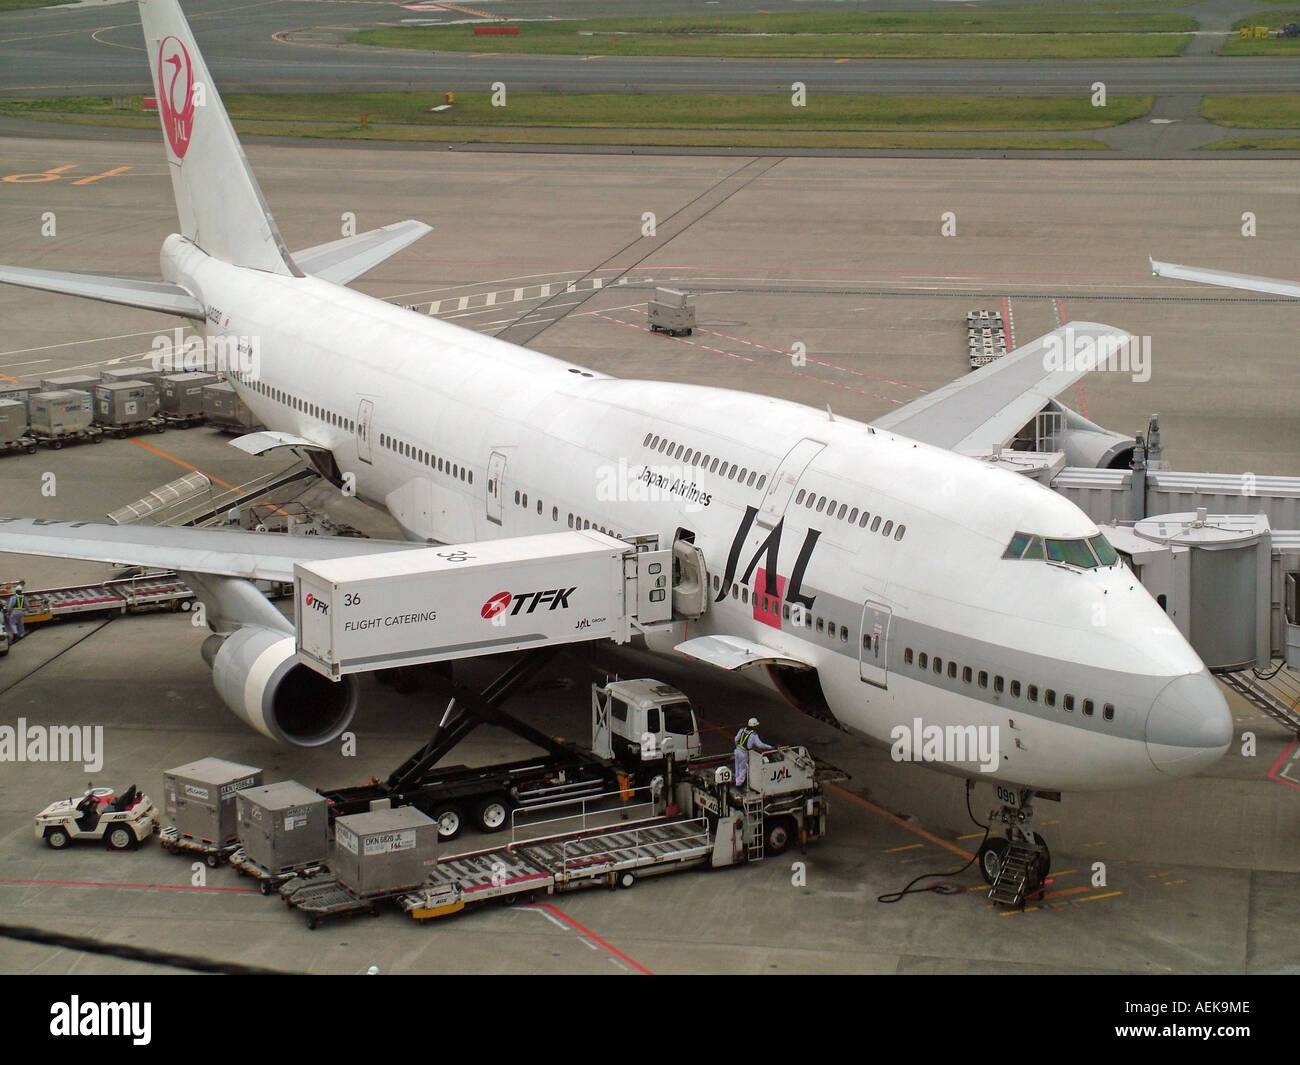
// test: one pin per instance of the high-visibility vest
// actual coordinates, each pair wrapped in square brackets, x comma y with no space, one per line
[20,601]
[742,737]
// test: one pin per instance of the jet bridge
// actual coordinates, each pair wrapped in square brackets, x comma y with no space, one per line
[1219,552]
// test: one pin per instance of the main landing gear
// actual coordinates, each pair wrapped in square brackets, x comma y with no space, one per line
[1017,864]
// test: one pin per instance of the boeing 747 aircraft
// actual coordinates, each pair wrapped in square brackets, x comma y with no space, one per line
[876,575]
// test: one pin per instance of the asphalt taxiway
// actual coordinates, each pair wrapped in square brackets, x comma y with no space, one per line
[847,258]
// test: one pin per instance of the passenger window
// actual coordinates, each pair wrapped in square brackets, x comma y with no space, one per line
[889,528]
[1068,703]
[1049,696]
[938,665]
[1108,712]
[984,678]
[862,521]
[570,521]
[966,674]
[952,670]
[799,498]
[875,523]
[844,634]
[821,625]
[555,511]
[714,467]
[907,657]
[744,594]
[1033,693]
[750,482]
[923,660]
[821,504]
[1087,708]
[742,475]
[853,515]
[898,533]
[761,481]
[843,508]
[998,684]
[646,441]
[1015,689]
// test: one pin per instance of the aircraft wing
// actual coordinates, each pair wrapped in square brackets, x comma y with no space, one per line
[341,261]
[151,295]
[223,552]
[986,408]
[1228,280]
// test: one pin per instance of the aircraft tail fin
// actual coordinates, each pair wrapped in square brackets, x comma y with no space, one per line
[220,205]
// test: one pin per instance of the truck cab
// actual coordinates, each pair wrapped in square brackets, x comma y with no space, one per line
[636,722]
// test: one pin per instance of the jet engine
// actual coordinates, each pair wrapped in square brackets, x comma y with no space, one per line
[257,674]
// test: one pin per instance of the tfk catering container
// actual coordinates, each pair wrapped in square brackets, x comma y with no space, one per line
[283,825]
[200,798]
[125,402]
[60,413]
[438,603]
[383,851]
[182,393]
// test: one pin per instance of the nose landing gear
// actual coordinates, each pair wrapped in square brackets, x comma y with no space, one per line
[1016,865]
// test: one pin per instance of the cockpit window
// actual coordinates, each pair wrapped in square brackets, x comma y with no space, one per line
[1071,552]
[1017,546]
[1084,553]
[1101,548]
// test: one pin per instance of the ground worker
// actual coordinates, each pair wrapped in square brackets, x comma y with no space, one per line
[14,610]
[747,739]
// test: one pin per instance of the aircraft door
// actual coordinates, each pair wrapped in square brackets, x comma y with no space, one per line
[784,480]
[495,473]
[873,644]
[365,419]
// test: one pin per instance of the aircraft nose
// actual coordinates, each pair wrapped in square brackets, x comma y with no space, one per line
[1189,726]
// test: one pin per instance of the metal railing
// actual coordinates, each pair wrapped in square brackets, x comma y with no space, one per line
[584,813]
[638,851]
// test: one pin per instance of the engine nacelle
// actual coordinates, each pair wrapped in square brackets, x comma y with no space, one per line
[257,674]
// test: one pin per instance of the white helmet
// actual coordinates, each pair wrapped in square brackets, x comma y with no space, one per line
[753,722]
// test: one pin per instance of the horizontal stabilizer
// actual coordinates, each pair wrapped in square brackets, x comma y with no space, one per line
[341,261]
[735,652]
[1249,282]
[151,295]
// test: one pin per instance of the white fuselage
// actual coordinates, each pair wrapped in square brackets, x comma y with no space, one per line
[463,437]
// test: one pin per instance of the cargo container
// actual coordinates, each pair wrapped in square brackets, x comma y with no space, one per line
[199,804]
[120,405]
[138,371]
[383,851]
[440,603]
[283,826]
[59,417]
[181,396]
[224,409]
[671,312]
[13,427]
[80,382]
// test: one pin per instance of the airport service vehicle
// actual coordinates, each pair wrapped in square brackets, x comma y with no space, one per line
[699,821]
[867,572]
[671,312]
[636,726]
[122,821]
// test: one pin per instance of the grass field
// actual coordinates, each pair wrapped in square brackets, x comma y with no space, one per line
[1253,110]
[1258,144]
[705,117]
[1274,19]
[1067,31]
[24,5]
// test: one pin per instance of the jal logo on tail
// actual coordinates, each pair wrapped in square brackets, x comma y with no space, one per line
[176,94]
